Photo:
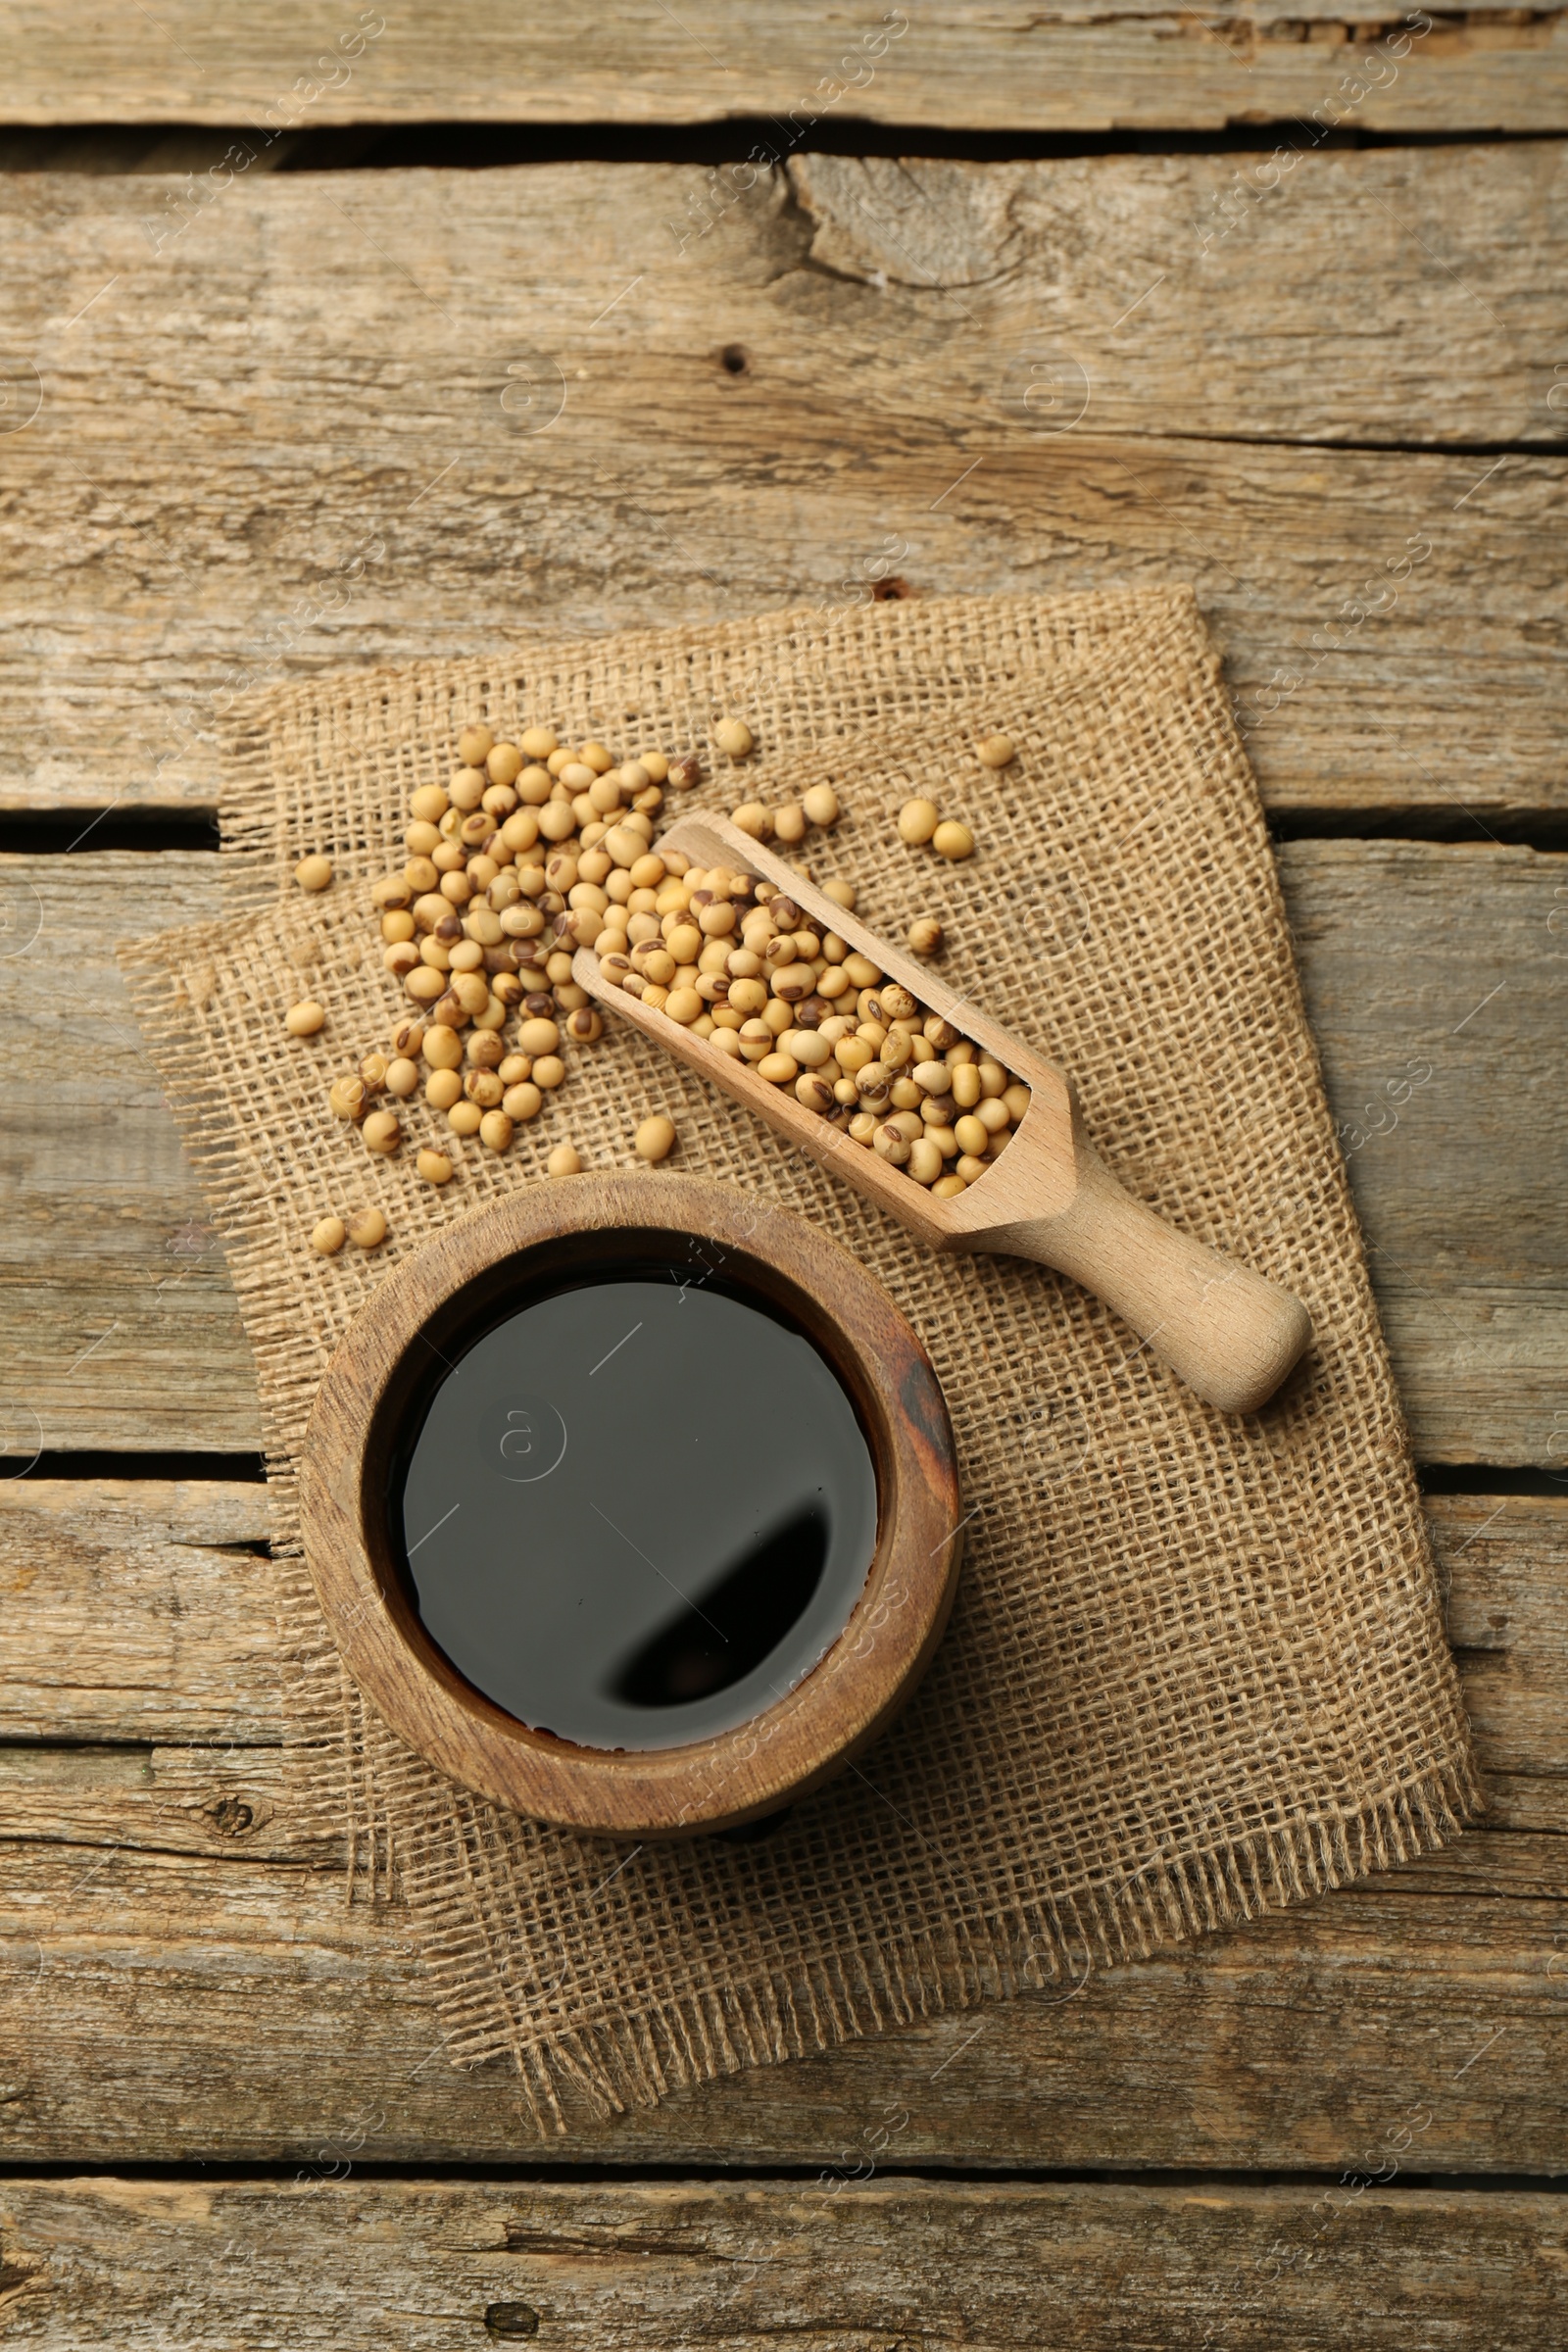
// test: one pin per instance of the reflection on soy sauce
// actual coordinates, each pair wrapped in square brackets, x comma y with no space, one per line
[741,1621]
[636,1511]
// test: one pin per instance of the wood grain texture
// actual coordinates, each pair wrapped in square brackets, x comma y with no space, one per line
[117,1328]
[210,1802]
[186,1653]
[265,434]
[170,1987]
[187,1657]
[1468,989]
[1507,1621]
[113,1283]
[185,1662]
[167,2006]
[355,2264]
[958,64]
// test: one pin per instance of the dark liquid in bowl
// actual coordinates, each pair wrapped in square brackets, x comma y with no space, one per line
[635,1513]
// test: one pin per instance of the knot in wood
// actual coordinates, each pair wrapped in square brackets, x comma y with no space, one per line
[511,2320]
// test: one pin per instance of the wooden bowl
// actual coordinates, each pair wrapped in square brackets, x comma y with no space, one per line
[595,1223]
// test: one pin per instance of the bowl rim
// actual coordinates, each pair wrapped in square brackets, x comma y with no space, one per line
[848,1697]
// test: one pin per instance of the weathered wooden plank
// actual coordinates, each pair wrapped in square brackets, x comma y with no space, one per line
[132,1724]
[239,1799]
[137,1610]
[182,1800]
[1506,1565]
[1439,1019]
[139,1614]
[1190,290]
[353,2265]
[129,1338]
[164,2007]
[157,2006]
[1043,375]
[1006,67]
[179,1674]
[118,1315]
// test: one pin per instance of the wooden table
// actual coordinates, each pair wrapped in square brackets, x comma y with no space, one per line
[253,423]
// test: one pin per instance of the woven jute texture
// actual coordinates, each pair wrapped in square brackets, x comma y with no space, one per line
[1197,1667]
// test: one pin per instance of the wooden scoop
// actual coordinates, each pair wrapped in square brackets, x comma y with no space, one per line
[1229,1333]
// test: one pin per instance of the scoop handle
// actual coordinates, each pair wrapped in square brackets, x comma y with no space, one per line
[1229,1333]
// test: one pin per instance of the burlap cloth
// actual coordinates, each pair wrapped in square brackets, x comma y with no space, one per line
[1197,1667]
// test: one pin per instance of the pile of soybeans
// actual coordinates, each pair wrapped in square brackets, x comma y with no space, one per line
[526,855]
[532,850]
[737,961]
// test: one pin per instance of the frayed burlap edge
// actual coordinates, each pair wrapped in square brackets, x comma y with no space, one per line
[639,2059]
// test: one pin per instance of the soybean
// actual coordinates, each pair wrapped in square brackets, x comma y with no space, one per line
[381,1132]
[655,1139]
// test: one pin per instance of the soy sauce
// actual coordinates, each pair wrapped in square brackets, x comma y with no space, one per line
[635,1513]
